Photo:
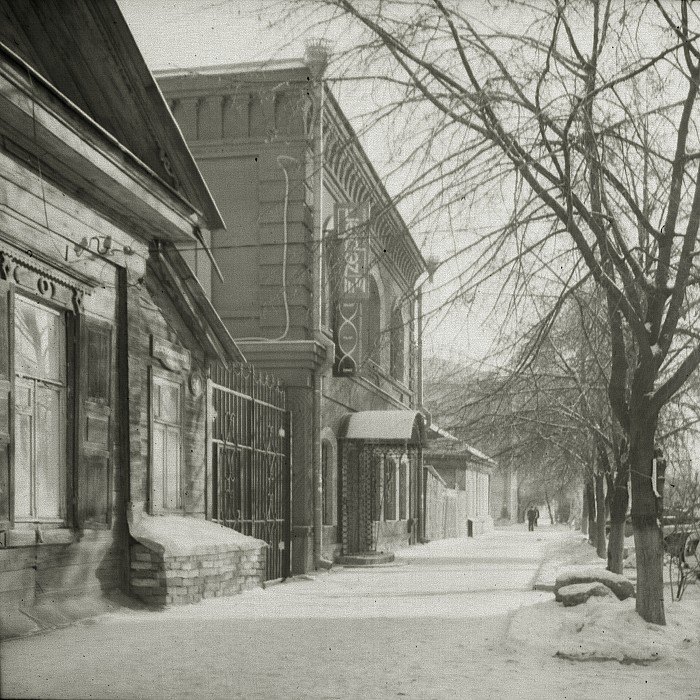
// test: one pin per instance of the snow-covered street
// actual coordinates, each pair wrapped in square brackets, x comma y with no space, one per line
[451,619]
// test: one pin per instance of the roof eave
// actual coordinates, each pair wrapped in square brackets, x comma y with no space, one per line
[161,119]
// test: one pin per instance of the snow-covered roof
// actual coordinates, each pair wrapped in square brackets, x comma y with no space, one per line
[384,426]
[452,447]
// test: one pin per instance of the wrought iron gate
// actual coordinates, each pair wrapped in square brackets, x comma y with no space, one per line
[251,438]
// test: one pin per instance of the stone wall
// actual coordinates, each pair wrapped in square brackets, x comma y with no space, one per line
[163,579]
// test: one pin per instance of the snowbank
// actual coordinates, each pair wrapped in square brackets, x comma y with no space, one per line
[619,585]
[607,629]
[174,536]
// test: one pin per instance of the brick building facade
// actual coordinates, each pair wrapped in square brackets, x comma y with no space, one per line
[296,189]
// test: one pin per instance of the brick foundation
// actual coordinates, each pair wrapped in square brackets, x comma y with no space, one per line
[162,579]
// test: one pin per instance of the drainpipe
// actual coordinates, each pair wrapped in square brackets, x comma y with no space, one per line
[419,346]
[427,276]
[316,58]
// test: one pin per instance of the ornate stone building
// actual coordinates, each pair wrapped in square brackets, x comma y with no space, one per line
[325,293]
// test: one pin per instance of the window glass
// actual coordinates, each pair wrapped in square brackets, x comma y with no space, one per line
[39,341]
[38,451]
[169,398]
[24,442]
[48,498]
[403,490]
[390,489]
[376,474]
[39,411]
[166,458]
[172,491]
[397,345]
[328,467]
[372,323]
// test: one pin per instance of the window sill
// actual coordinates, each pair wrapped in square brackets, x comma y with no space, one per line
[28,538]
[381,374]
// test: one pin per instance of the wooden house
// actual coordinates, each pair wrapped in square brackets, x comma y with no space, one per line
[106,334]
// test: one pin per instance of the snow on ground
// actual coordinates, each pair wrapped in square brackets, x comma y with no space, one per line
[605,629]
[452,619]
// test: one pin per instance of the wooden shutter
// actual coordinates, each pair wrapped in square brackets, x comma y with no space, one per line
[95,423]
[6,373]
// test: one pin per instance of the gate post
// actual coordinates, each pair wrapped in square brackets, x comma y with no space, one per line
[209,446]
[287,486]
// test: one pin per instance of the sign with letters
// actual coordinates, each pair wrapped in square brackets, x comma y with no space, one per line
[353,248]
[172,356]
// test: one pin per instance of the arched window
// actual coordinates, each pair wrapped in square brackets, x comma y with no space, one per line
[390,488]
[403,489]
[372,324]
[397,335]
[326,300]
[329,476]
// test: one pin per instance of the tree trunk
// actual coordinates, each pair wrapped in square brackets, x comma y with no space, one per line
[618,512]
[590,497]
[600,515]
[648,544]
[549,507]
[584,512]
[648,538]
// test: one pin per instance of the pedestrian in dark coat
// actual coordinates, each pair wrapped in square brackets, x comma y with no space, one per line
[530,518]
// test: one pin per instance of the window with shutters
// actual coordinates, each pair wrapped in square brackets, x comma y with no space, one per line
[40,410]
[55,414]
[166,444]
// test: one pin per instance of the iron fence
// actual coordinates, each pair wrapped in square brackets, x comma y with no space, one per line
[251,436]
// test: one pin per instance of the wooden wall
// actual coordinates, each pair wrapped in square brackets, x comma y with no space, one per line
[47,226]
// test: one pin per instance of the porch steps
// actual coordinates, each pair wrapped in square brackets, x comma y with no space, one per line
[367,559]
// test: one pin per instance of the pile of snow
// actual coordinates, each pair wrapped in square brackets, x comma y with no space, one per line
[606,629]
[619,585]
[578,593]
[612,630]
[176,535]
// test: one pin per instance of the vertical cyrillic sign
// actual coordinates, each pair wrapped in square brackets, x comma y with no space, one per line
[353,291]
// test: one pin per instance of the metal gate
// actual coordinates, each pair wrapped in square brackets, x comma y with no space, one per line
[251,438]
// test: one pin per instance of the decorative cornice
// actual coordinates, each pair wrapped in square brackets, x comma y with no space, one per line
[348,162]
[344,157]
[282,355]
[11,259]
[41,279]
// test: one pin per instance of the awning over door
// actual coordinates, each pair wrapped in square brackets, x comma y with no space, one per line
[384,426]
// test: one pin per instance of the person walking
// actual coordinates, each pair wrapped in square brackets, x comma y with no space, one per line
[537,515]
[530,518]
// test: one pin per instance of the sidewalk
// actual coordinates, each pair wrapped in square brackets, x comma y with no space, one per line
[437,624]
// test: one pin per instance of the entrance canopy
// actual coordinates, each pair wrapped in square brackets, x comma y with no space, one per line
[384,426]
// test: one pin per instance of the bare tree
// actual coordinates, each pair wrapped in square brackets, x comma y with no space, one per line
[574,123]
[552,406]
